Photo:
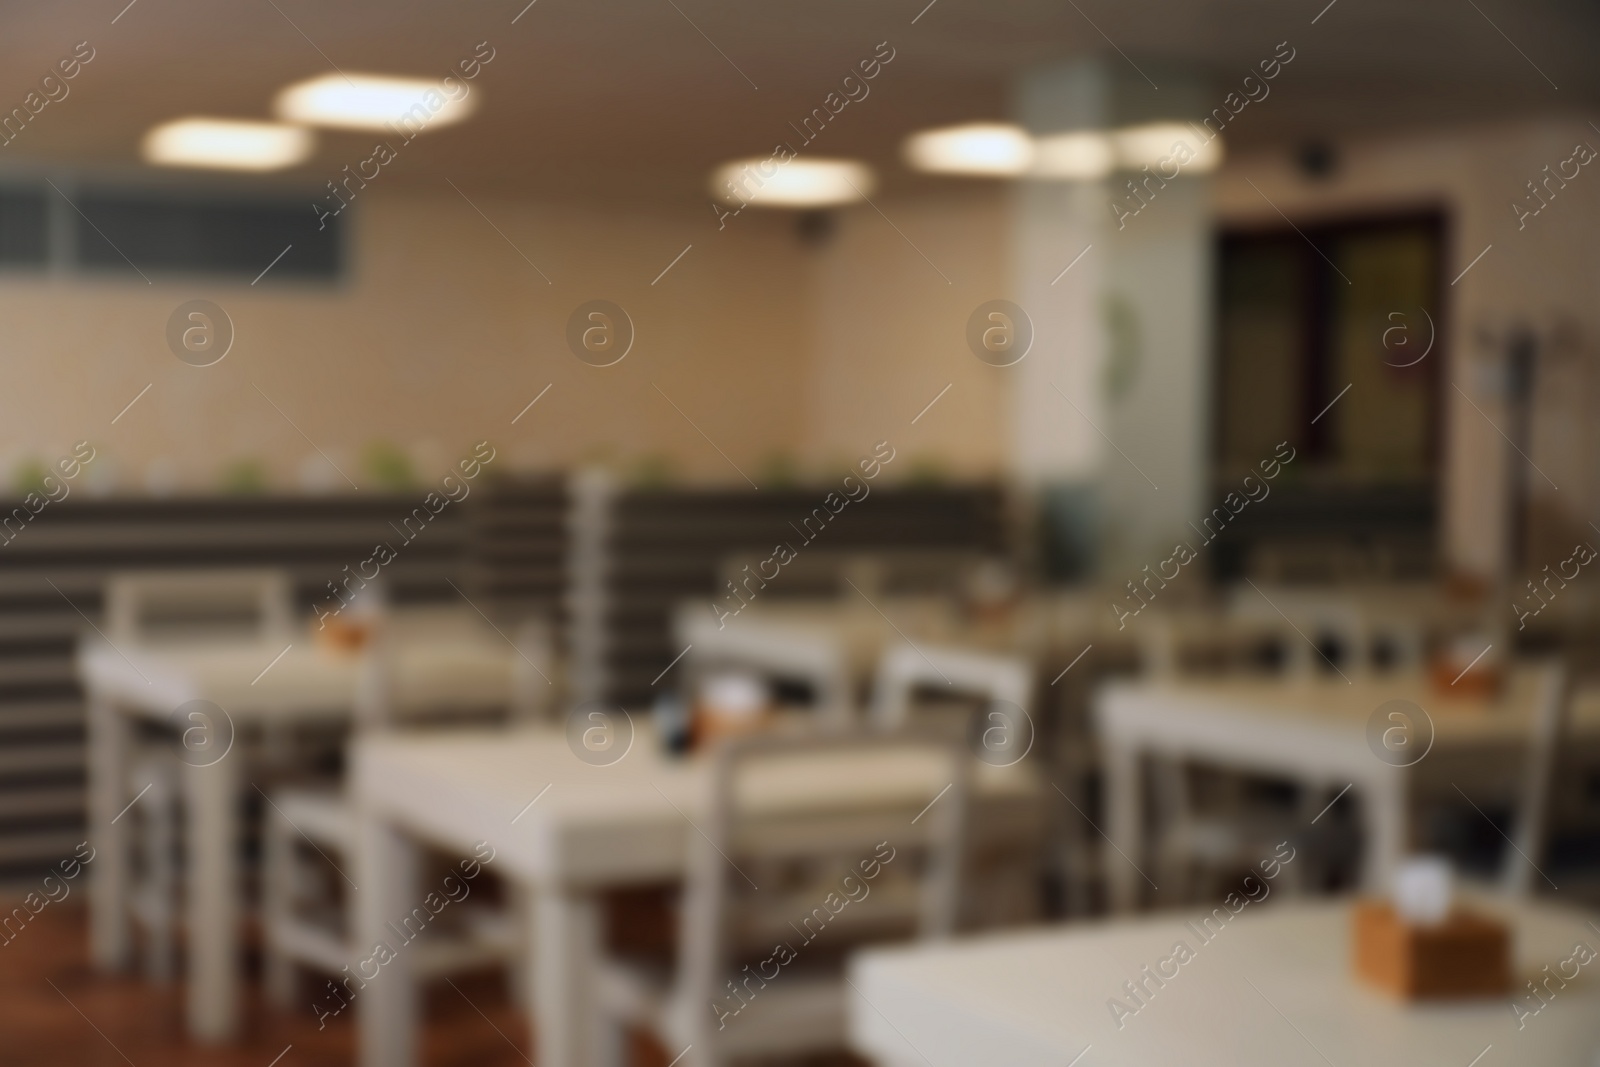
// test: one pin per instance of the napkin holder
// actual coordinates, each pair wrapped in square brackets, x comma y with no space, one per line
[347,636]
[1468,668]
[1465,955]
[729,705]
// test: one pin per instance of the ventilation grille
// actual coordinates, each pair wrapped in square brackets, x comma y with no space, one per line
[143,233]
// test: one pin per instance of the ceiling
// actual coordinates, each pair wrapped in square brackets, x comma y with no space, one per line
[639,99]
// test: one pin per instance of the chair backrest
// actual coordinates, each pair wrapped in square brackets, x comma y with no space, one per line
[1177,643]
[385,700]
[787,860]
[535,676]
[1552,711]
[778,652]
[1312,617]
[149,606]
[849,574]
[906,668]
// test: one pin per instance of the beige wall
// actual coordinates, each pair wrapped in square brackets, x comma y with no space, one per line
[889,331]
[442,332]
[1544,274]
[438,337]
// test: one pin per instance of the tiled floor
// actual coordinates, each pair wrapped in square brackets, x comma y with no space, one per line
[56,1011]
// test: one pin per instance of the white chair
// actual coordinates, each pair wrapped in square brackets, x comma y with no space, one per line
[1186,642]
[774,823]
[822,574]
[1367,640]
[534,678]
[154,607]
[305,922]
[906,669]
[778,652]
[161,607]
[980,693]
[1193,843]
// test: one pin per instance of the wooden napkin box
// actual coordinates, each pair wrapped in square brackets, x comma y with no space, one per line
[1467,955]
[344,635]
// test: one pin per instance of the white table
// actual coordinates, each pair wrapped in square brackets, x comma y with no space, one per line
[309,683]
[1039,999]
[592,827]
[1312,730]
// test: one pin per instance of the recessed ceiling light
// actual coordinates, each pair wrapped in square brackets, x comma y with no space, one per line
[1157,143]
[983,148]
[373,102]
[1081,156]
[227,144]
[767,182]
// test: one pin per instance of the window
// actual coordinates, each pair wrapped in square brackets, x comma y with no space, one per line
[1310,331]
[1297,329]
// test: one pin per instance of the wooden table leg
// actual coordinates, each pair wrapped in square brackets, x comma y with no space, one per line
[109,733]
[212,797]
[389,1007]
[1124,825]
[567,943]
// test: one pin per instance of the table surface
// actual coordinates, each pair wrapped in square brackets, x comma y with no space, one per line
[552,817]
[1332,707]
[1273,987]
[246,677]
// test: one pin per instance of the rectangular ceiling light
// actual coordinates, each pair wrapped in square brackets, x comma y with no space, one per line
[227,144]
[373,102]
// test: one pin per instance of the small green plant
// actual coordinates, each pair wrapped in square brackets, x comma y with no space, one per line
[28,477]
[388,466]
[244,477]
[928,471]
[780,470]
[655,470]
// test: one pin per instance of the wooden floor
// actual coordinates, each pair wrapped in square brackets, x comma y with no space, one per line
[56,1011]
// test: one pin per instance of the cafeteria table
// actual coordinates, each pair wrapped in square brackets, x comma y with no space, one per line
[257,685]
[563,830]
[1312,730]
[1272,986]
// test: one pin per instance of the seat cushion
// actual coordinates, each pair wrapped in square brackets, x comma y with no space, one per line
[324,816]
[792,1013]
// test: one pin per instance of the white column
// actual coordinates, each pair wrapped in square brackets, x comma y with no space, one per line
[1126,332]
